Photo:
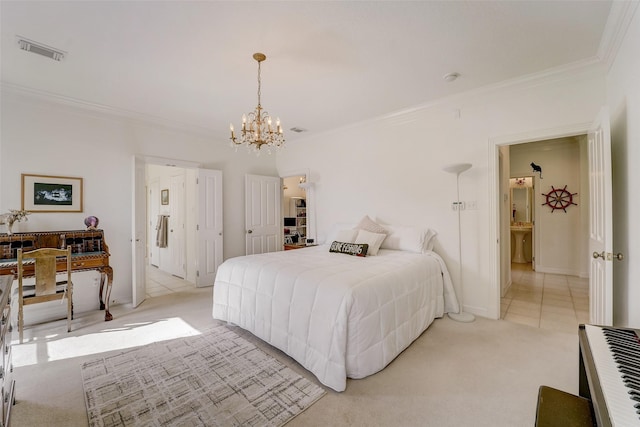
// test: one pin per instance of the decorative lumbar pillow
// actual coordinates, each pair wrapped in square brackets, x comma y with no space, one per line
[349,248]
[370,225]
[374,240]
[348,236]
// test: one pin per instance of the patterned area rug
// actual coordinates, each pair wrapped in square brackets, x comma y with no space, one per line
[214,379]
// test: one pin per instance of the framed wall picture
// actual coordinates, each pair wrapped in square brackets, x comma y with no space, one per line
[164,197]
[46,193]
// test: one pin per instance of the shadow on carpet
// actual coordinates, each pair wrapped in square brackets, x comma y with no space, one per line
[214,379]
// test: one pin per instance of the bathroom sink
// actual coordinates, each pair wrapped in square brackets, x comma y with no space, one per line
[519,232]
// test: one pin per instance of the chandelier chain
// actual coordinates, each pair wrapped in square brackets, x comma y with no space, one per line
[259,84]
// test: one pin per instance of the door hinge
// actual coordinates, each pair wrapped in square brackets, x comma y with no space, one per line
[197,273]
[198,227]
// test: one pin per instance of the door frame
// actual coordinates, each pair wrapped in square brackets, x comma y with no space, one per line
[495,238]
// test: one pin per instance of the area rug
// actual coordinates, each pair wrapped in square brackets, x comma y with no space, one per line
[214,379]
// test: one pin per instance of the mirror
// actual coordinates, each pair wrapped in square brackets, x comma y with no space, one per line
[521,199]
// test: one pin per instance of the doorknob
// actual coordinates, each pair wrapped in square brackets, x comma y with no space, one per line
[249,231]
[608,256]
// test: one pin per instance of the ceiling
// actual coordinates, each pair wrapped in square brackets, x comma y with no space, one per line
[329,64]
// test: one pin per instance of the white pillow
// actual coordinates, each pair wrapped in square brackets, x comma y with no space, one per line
[346,236]
[410,239]
[428,239]
[335,229]
[368,224]
[374,240]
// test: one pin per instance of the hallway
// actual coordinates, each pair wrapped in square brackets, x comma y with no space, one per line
[547,301]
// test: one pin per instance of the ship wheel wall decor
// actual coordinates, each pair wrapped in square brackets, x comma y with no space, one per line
[559,198]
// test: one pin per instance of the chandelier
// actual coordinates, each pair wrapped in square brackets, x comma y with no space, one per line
[257,128]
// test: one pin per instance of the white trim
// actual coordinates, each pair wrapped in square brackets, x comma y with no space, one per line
[620,17]
[163,161]
[107,110]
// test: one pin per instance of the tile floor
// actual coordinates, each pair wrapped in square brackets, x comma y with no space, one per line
[162,283]
[543,300]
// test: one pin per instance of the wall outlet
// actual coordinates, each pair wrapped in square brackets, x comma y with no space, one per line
[472,205]
[456,206]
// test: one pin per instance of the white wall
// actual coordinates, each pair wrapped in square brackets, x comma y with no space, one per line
[623,98]
[41,137]
[391,167]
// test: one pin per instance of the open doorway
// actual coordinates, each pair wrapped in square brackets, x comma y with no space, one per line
[197,193]
[297,214]
[170,239]
[547,270]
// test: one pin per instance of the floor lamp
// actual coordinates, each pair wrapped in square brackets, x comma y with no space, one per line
[458,168]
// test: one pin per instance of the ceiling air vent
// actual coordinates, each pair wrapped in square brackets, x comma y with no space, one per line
[40,49]
[297,129]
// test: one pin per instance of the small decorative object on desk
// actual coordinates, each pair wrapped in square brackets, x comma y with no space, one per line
[91,222]
[13,216]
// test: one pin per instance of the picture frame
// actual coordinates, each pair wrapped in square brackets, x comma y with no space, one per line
[164,197]
[48,193]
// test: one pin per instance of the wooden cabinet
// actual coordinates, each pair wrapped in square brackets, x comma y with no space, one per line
[7,383]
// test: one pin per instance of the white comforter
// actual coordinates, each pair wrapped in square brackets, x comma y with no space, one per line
[338,315]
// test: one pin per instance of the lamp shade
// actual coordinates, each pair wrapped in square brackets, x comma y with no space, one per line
[457,167]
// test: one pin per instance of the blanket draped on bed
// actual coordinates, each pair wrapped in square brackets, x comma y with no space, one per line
[339,316]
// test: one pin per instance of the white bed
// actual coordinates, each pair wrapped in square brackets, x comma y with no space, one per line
[339,316]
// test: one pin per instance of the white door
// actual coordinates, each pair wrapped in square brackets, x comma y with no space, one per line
[262,214]
[600,222]
[176,237]
[209,229]
[153,203]
[138,239]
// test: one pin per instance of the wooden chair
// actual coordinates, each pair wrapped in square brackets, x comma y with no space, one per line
[46,288]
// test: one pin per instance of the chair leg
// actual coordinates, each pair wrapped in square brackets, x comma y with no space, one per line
[69,305]
[20,322]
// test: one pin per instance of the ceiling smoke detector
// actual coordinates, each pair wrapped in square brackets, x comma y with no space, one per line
[40,49]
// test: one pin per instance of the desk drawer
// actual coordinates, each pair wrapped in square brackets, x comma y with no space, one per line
[80,264]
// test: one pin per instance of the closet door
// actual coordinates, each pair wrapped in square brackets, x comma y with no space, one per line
[263,214]
[154,211]
[176,236]
[209,228]
[139,238]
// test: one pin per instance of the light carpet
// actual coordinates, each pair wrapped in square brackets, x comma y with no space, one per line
[214,379]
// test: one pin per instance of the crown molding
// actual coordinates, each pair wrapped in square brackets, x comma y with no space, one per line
[102,110]
[620,17]
[450,105]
